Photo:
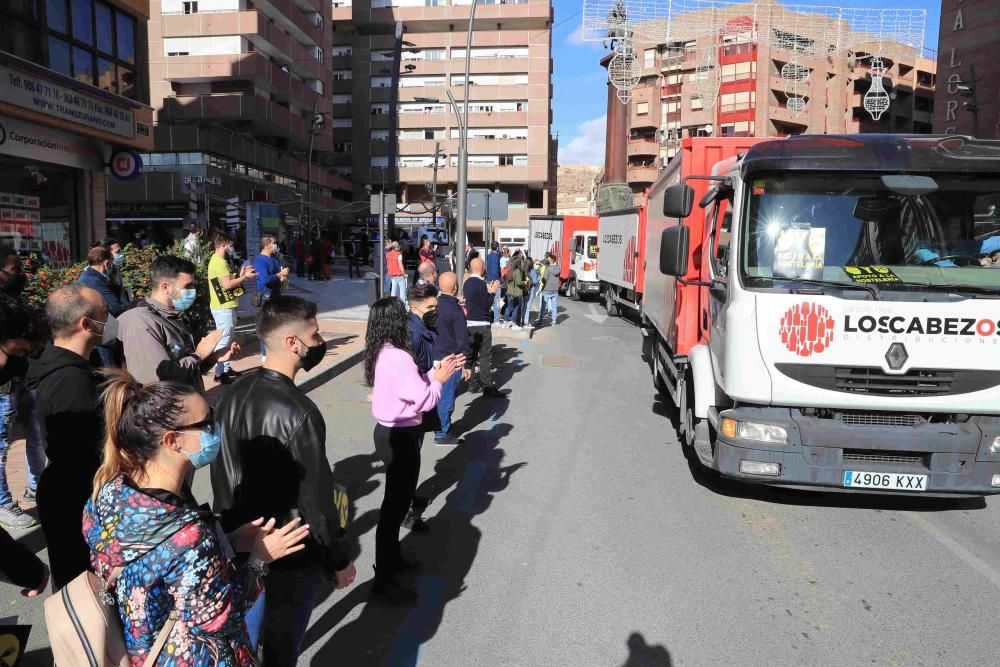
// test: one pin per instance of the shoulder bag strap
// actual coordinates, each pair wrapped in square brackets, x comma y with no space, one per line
[161,640]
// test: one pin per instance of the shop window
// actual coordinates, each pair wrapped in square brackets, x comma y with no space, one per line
[125,26]
[105,28]
[107,77]
[55,16]
[83,65]
[59,56]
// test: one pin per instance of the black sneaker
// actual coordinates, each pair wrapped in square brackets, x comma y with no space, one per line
[225,379]
[233,373]
[448,439]
[386,588]
[475,388]
[29,495]
[493,392]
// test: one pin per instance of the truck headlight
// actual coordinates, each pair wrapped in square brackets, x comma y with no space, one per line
[995,447]
[769,433]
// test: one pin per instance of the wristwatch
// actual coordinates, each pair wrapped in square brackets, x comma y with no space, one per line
[258,566]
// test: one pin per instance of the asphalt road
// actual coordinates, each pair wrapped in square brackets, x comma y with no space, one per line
[569,529]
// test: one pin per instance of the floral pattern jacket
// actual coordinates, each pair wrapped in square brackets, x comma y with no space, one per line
[174,558]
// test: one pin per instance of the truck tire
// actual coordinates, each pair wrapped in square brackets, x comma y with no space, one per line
[610,305]
[574,291]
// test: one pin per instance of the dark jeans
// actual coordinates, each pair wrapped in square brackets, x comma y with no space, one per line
[353,268]
[512,311]
[399,448]
[446,406]
[481,339]
[280,616]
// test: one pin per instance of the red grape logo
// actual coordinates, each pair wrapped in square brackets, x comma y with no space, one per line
[629,263]
[807,328]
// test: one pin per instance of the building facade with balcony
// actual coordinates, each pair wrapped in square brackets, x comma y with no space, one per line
[752,99]
[509,97]
[73,112]
[236,86]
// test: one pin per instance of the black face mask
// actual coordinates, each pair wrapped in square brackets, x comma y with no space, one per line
[314,355]
[430,319]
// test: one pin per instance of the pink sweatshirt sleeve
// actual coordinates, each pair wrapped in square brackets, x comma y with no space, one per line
[423,393]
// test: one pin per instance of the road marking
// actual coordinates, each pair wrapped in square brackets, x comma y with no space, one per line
[595,316]
[972,560]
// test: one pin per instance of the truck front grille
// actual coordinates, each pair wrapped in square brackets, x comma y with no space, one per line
[873,381]
[881,456]
[880,419]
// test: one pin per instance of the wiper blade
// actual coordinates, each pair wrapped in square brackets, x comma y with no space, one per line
[871,289]
[933,287]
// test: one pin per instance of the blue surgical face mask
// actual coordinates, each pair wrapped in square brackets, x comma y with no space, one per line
[210,441]
[119,258]
[186,299]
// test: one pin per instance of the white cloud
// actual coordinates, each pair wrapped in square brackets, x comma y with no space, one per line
[587,147]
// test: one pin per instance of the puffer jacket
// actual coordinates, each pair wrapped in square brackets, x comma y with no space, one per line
[174,557]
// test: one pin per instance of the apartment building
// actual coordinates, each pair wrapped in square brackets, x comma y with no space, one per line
[236,85]
[509,97]
[73,99]
[753,99]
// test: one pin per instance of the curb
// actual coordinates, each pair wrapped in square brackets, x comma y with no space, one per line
[316,381]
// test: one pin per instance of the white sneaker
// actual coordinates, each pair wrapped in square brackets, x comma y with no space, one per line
[515,327]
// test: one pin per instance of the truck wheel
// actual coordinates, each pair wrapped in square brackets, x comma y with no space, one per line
[574,291]
[610,305]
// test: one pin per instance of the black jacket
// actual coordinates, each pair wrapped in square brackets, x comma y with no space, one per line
[478,300]
[452,332]
[273,464]
[68,405]
[422,341]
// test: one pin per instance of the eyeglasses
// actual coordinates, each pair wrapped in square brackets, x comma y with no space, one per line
[206,423]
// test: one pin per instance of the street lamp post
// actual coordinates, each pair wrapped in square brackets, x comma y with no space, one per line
[968,89]
[314,129]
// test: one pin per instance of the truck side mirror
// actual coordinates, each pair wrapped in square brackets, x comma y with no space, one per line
[678,200]
[674,251]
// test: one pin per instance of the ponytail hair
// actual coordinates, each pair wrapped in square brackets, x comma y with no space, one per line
[135,418]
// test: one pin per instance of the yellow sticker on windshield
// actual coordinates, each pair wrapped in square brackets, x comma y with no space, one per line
[871,274]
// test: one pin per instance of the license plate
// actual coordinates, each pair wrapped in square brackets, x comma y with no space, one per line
[893,481]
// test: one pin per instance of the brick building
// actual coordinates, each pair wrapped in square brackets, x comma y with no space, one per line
[968,42]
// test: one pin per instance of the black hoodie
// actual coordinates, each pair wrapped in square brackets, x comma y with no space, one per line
[68,405]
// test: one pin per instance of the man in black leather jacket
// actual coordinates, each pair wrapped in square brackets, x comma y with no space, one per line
[273,464]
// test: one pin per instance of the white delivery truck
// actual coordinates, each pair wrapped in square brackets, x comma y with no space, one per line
[619,271]
[563,236]
[827,309]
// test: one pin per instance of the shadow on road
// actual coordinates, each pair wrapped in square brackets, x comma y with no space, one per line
[393,635]
[641,654]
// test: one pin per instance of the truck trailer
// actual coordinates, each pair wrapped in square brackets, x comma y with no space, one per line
[573,239]
[825,310]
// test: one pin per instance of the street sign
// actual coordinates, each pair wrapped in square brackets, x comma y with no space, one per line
[487,205]
[126,165]
[376,204]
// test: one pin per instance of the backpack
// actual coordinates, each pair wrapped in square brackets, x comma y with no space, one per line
[84,627]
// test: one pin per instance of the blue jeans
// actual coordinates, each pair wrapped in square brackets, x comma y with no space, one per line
[496,306]
[446,406]
[280,616]
[34,450]
[398,287]
[550,299]
[225,319]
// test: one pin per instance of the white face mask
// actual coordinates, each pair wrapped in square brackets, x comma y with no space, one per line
[109,333]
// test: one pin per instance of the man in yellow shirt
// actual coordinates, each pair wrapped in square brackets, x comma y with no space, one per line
[225,290]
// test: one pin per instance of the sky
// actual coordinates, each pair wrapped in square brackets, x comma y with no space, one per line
[580,94]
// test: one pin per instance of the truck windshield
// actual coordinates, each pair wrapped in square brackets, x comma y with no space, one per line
[853,230]
[591,247]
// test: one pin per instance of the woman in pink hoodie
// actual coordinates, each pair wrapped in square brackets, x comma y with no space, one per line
[400,396]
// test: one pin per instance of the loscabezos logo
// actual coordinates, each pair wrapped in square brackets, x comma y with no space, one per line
[628,273]
[806,329]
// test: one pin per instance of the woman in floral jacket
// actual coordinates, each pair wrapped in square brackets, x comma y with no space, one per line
[172,560]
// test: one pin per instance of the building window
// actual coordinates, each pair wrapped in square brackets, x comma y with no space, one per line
[649,58]
[380,109]
[342,146]
[642,108]
[190,7]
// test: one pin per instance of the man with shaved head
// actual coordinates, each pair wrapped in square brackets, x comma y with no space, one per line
[452,338]
[478,303]
[69,413]
[427,273]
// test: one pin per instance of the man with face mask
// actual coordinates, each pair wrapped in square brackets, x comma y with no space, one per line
[158,344]
[273,463]
[98,276]
[67,391]
[225,290]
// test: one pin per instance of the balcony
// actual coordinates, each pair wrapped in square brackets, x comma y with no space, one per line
[342,86]
[781,113]
[248,66]
[266,118]
[646,120]
[523,16]
[643,147]
[642,174]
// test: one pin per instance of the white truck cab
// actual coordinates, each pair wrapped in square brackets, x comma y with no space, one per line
[582,280]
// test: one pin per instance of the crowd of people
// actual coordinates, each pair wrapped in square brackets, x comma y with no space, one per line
[110,392]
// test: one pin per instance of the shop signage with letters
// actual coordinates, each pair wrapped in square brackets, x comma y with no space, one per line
[47,97]
[19,138]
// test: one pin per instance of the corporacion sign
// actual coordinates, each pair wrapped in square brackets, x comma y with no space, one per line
[53,99]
